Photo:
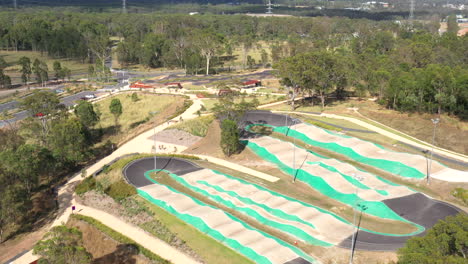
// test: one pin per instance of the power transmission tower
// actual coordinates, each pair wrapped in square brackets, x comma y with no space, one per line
[411,12]
[124,6]
[269,7]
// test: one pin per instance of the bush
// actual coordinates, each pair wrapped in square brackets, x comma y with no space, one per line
[461,194]
[86,185]
[120,190]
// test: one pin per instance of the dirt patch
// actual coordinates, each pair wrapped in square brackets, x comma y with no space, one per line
[451,133]
[176,136]
[131,212]
[104,249]
[209,145]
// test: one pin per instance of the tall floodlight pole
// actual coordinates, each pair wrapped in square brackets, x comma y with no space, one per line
[426,151]
[358,178]
[294,154]
[435,121]
[154,140]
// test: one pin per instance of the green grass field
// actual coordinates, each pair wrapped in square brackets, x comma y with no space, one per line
[134,113]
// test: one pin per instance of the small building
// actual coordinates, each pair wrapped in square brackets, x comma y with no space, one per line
[140,85]
[176,85]
[252,83]
[224,92]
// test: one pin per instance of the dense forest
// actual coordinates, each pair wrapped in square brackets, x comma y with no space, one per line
[408,69]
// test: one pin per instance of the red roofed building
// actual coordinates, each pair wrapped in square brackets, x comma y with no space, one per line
[252,83]
[140,85]
[174,85]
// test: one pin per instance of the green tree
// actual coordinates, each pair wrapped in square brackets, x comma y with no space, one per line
[26,70]
[58,70]
[227,108]
[135,97]
[27,163]
[44,102]
[67,140]
[208,43]
[5,80]
[115,108]
[86,114]
[445,242]
[452,24]
[14,205]
[3,63]
[229,137]
[62,245]
[264,58]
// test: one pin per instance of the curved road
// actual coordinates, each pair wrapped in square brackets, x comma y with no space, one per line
[416,207]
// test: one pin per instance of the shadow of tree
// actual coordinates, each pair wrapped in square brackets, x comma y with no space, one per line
[123,254]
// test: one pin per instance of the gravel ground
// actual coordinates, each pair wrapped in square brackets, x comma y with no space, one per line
[177,137]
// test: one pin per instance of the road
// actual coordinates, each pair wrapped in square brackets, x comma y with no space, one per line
[67,101]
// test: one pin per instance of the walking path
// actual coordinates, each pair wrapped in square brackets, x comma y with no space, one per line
[140,144]
[65,193]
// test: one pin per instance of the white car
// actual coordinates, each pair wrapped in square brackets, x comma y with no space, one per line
[90,96]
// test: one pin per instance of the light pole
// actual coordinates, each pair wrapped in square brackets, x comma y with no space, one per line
[358,178]
[426,151]
[435,121]
[294,154]
[154,140]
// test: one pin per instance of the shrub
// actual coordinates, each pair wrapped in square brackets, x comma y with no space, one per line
[461,194]
[87,184]
[120,190]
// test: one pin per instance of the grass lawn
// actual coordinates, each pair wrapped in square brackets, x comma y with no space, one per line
[147,107]
[197,126]
[12,57]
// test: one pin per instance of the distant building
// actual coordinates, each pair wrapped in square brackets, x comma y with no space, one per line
[252,83]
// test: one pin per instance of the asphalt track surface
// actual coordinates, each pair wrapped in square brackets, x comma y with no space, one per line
[134,173]
[417,207]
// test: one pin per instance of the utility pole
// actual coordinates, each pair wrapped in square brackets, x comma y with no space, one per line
[15,5]
[124,6]
[269,7]
[411,13]
[435,121]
